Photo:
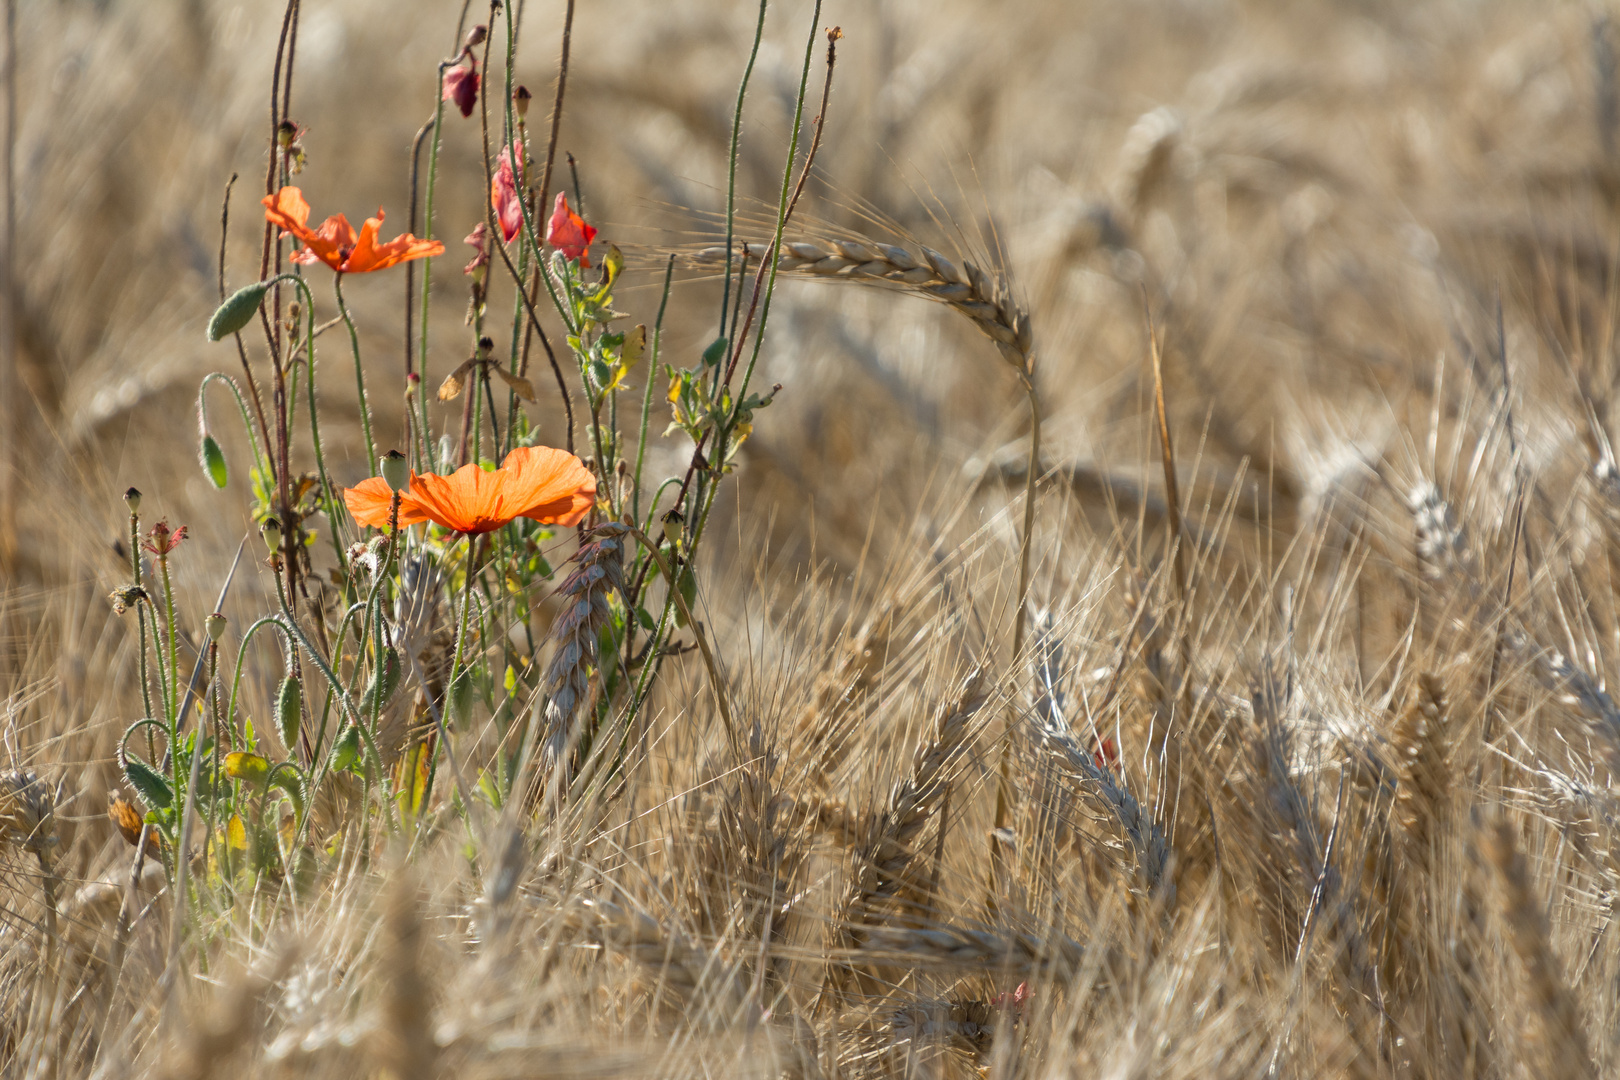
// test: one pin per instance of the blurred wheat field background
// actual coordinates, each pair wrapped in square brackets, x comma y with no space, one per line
[1324,787]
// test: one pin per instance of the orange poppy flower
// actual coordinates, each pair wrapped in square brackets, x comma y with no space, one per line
[569,233]
[335,242]
[551,486]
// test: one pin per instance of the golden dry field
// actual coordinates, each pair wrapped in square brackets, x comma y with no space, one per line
[911,539]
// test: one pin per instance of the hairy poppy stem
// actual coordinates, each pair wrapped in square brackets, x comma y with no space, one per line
[359,372]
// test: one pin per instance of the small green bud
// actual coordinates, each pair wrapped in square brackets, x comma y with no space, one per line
[271,531]
[132,498]
[715,353]
[215,624]
[213,461]
[237,311]
[289,711]
[396,470]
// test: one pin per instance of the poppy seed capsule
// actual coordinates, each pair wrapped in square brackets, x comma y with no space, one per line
[132,498]
[215,624]
[520,101]
[476,36]
[396,470]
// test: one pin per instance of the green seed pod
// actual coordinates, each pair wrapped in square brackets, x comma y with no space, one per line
[396,471]
[461,697]
[150,784]
[289,709]
[387,674]
[237,311]
[346,751]
[715,353]
[213,461]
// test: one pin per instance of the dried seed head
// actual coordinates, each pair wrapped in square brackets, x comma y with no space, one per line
[27,811]
[126,598]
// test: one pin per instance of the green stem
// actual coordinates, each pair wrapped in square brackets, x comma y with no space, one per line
[359,374]
[423,462]
[731,171]
[171,697]
[646,394]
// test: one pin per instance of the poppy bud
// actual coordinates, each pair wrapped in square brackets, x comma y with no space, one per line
[674,522]
[289,710]
[520,101]
[485,345]
[133,498]
[396,470]
[475,36]
[271,531]
[215,625]
[286,134]
[237,311]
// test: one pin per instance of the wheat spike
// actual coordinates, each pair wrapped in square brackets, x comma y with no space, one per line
[985,299]
[598,571]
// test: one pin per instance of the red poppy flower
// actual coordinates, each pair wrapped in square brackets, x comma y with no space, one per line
[551,486]
[335,242]
[461,87]
[503,192]
[478,240]
[568,233]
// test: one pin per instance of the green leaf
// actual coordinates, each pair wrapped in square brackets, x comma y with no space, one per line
[213,461]
[237,311]
[153,789]
[244,766]
[715,353]
[644,617]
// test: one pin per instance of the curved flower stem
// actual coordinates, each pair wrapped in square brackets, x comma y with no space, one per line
[359,373]
[241,406]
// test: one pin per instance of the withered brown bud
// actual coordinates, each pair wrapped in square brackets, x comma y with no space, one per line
[286,134]
[520,101]
[475,37]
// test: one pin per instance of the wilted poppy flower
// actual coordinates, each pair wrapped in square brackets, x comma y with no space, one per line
[478,240]
[568,233]
[503,192]
[160,541]
[335,242]
[461,86]
[551,486]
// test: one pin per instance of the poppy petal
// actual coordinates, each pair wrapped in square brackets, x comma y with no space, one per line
[551,486]
[466,501]
[370,500]
[287,209]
